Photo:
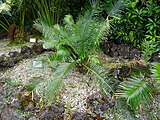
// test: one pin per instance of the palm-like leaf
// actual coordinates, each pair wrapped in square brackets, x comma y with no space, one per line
[100,75]
[49,88]
[113,9]
[137,91]
[116,9]
[156,70]
[57,80]
[156,74]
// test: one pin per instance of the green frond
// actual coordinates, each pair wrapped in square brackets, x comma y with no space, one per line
[100,33]
[57,80]
[100,75]
[38,26]
[137,91]
[33,83]
[114,7]
[148,47]
[156,71]
[156,74]
[69,20]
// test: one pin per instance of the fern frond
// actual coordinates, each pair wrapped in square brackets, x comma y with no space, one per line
[114,9]
[57,80]
[156,74]
[38,26]
[100,75]
[156,71]
[100,33]
[33,83]
[137,91]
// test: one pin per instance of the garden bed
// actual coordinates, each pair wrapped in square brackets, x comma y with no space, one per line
[79,98]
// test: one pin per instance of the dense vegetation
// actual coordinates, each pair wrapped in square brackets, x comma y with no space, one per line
[75,30]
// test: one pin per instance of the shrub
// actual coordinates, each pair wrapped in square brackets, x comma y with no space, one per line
[140,21]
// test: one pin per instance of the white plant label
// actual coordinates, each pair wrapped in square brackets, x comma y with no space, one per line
[33,40]
[37,64]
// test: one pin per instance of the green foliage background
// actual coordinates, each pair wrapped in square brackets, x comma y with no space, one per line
[139,21]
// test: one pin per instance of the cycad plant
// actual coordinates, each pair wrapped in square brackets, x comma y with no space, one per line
[80,38]
[76,44]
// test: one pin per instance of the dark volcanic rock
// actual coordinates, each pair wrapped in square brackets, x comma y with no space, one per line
[134,53]
[121,72]
[98,104]
[155,57]
[33,118]
[38,48]
[2,102]
[30,107]
[14,54]
[15,103]
[53,112]
[26,52]
[122,51]
[10,114]
[14,57]
[57,109]
[82,116]
[47,115]
[7,62]
[1,59]
[10,62]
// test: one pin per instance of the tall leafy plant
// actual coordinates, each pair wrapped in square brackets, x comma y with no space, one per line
[81,38]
